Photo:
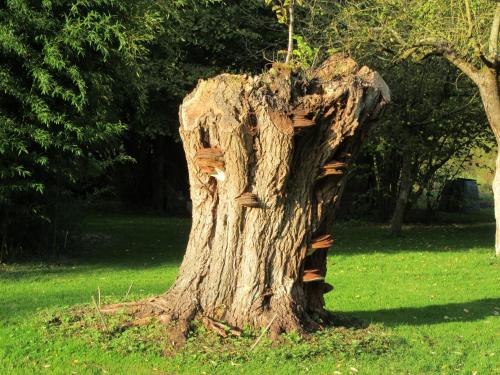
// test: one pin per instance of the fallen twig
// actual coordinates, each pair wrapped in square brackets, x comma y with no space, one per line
[263,332]
[214,326]
[220,328]
[129,288]
[100,314]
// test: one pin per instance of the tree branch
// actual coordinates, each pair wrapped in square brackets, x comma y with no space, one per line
[495,29]
[468,13]
[290,33]
[483,57]
[443,48]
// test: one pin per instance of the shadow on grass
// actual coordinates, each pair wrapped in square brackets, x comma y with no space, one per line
[138,242]
[364,238]
[433,314]
[112,241]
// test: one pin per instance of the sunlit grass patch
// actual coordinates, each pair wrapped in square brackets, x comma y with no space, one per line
[431,300]
[115,335]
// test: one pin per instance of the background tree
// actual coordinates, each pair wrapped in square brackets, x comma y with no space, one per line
[435,116]
[62,64]
[464,32]
[198,40]
[426,129]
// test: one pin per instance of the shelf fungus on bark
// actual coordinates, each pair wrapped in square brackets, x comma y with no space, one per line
[333,168]
[312,275]
[322,242]
[248,200]
[301,119]
[210,160]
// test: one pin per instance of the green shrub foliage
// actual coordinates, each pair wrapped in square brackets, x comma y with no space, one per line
[62,67]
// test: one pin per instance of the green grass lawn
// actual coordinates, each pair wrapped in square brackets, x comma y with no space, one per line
[435,291]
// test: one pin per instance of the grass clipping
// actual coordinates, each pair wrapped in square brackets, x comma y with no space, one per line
[349,339]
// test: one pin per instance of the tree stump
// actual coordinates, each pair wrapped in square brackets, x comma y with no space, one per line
[277,133]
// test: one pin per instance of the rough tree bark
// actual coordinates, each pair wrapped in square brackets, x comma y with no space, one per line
[279,133]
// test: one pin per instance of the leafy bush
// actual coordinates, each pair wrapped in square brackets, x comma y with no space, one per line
[62,64]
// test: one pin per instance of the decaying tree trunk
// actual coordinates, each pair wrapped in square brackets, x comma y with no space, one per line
[266,158]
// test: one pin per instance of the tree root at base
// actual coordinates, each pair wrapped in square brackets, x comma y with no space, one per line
[178,326]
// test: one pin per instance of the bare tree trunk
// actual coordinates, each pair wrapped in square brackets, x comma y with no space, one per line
[289,50]
[404,192]
[491,101]
[488,87]
[278,147]
[486,80]
[496,197]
